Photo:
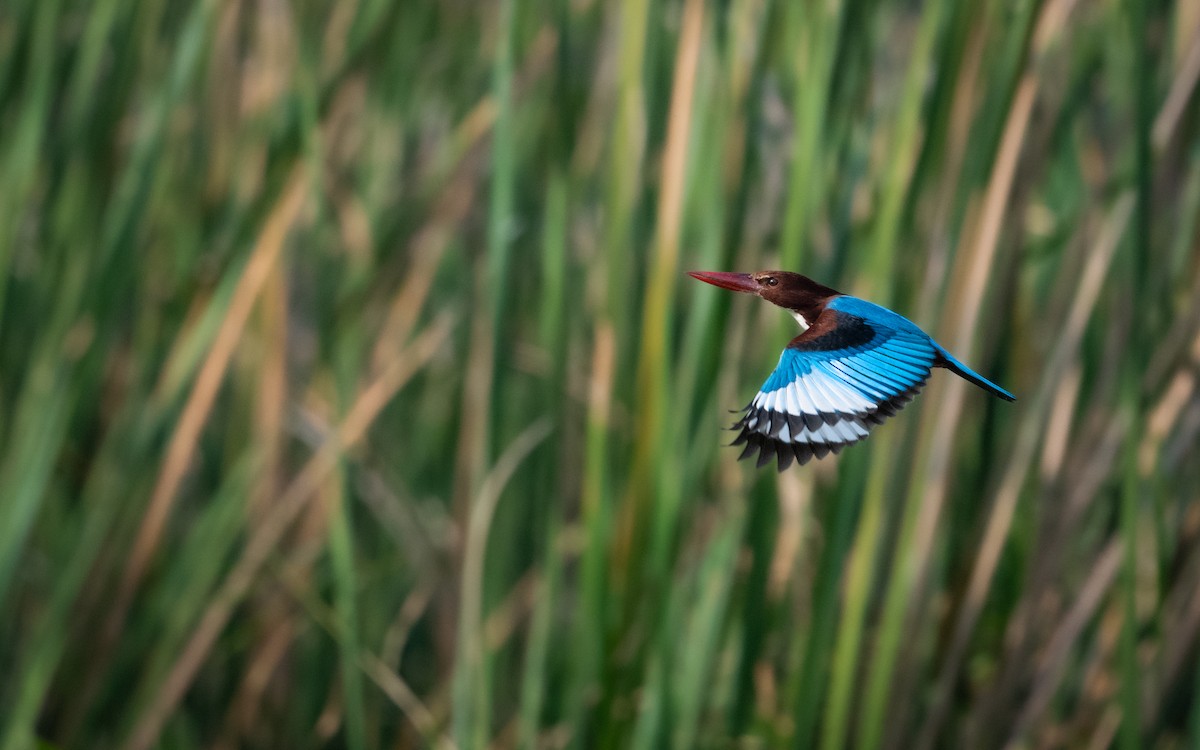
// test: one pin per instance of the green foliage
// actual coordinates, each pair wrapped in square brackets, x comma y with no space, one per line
[352,392]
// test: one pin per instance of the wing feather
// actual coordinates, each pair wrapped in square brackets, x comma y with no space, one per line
[822,397]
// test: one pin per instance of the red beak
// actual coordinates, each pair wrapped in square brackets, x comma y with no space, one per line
[738,282]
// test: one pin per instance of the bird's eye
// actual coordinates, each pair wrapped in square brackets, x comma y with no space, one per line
[771,281]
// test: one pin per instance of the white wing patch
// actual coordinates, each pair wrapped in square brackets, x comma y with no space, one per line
[815,392]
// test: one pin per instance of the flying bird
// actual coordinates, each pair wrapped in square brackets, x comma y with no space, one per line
[854,365]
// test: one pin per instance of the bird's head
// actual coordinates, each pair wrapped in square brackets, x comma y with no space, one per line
[799,295]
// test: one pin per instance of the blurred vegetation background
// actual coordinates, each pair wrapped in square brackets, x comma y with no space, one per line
[352,393]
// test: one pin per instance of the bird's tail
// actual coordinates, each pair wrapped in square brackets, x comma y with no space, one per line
[966,373]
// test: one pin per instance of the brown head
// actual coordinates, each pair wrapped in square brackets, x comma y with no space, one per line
[798,294]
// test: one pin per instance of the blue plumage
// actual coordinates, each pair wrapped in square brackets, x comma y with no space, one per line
[877,316]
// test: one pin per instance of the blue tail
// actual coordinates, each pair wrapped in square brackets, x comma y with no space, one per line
[966,373]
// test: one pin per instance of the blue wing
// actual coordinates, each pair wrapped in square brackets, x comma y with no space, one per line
[855,366]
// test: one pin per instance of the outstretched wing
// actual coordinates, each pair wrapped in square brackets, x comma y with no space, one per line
[855,366]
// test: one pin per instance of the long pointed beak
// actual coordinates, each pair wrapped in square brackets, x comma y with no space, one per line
[738,282]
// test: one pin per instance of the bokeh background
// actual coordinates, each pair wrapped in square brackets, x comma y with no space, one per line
[352,393]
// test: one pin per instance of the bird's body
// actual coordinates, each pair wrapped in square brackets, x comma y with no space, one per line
[855,364]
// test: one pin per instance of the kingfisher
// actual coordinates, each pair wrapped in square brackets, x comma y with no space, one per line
[854,365]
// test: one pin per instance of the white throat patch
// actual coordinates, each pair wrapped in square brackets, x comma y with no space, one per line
[800,319]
